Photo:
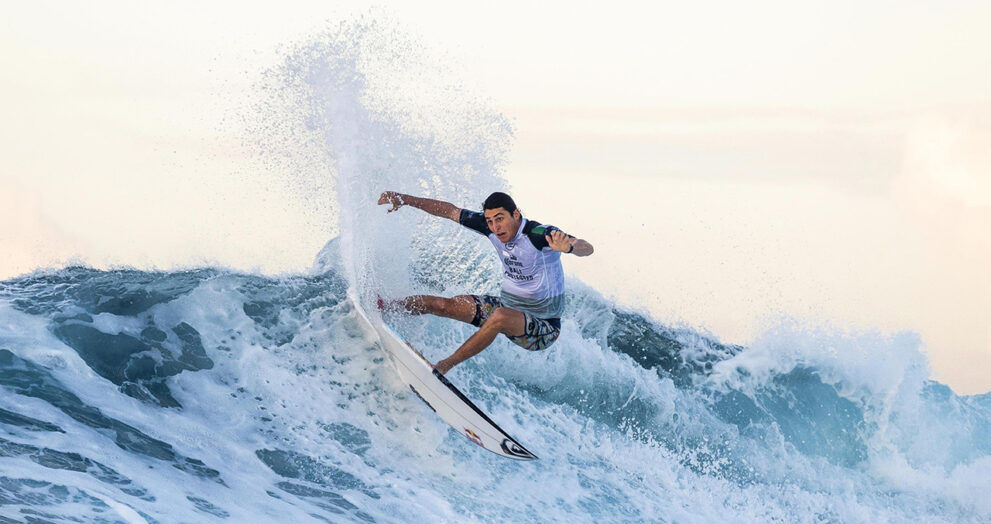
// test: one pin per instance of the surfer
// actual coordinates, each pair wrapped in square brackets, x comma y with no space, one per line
[528,311]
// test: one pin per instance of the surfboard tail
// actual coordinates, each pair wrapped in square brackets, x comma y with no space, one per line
[509,446]
[441,396]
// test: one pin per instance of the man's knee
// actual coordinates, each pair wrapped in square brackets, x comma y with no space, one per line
[500,318]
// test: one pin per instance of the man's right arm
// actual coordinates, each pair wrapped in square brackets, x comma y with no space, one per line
[434,207]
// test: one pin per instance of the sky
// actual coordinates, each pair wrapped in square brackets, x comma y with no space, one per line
[828,162]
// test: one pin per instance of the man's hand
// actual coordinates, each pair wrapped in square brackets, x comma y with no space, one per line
[559,241]
[564,243]
[443,366]
[392,198]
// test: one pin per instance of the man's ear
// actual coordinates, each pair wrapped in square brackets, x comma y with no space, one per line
[516,214]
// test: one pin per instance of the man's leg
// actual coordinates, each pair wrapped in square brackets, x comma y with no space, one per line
[461,307]
[502,320]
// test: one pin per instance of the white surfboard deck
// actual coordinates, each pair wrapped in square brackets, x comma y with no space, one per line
[440,395]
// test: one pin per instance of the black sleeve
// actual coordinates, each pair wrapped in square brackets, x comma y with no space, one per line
[538,232]
[475,221]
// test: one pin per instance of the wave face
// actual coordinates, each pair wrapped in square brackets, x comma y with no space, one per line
[210,395]
[207,395]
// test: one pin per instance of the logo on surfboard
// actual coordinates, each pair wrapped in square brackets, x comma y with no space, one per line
[472,436]
[511,448]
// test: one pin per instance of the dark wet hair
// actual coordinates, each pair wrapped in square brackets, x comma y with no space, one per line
[497,200]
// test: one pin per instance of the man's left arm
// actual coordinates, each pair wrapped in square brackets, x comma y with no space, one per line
[560,241]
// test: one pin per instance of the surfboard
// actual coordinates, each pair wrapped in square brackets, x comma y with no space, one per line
[446,400]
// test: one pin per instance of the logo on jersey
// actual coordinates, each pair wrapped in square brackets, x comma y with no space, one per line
[511,245]
[514,268]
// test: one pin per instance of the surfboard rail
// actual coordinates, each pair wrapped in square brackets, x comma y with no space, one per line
[440,395]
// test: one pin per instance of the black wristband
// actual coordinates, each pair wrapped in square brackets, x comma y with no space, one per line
[570,249]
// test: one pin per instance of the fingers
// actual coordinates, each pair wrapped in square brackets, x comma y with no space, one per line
[558,240]
[392,198]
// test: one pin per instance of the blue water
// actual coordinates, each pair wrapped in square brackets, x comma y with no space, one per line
[209,395]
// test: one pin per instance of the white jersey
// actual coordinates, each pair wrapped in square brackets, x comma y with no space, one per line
[533,279]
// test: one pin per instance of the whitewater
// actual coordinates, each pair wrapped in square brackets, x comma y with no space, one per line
[213,395]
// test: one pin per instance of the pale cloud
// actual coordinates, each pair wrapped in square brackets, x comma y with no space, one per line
[944,191]
[29,238]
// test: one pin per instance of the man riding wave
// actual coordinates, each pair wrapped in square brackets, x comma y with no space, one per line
[528,311]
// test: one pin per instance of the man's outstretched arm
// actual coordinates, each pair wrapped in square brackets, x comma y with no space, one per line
[434,207]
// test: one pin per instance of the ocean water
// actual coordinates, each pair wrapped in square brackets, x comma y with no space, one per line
[211,395]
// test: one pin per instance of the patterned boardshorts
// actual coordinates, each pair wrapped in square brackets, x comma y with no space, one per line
[540,333]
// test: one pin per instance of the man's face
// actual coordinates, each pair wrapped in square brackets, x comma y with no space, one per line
[502,223]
